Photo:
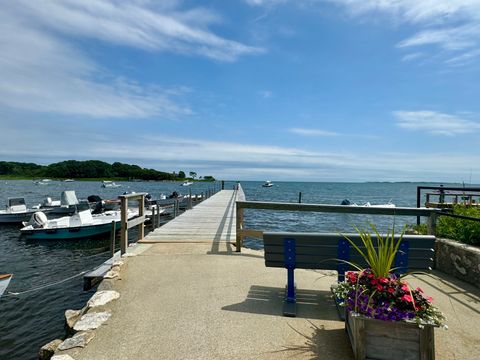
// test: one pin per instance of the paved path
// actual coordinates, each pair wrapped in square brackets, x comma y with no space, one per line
[185,298]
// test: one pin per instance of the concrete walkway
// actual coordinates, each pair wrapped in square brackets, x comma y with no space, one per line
[201,300]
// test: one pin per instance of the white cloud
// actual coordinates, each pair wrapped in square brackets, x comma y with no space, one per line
[312,132]
[41,70]
[435,123]
[451,25]
[266,94]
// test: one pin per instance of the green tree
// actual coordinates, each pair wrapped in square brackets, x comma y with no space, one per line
[181,174]
[193,174]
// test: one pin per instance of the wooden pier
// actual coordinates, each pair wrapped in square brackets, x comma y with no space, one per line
[211,220]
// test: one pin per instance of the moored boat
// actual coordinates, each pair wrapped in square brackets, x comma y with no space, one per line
[16,211]
[4,281]
[110,184]
[187,183]
[80,225]
[267,183]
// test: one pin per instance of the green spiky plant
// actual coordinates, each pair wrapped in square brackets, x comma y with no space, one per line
[379,259]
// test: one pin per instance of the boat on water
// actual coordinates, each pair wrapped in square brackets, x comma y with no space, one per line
[68,204]
[16,211]
[80,225]
[367,204]
[110,184]
[267,183]
[4,281]
[68,180]
[43,182]
[187,183]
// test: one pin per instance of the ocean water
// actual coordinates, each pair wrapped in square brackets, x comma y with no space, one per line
[32,319]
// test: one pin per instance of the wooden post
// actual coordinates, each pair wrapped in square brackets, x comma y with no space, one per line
[239,227]
[141,212]
[432,224]
[112,238]
[300,197]
[175,206]
[223,184]
[124,228]
[189,199]
[158,215]
[153,218]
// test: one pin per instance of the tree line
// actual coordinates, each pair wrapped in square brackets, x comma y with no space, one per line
[87,169]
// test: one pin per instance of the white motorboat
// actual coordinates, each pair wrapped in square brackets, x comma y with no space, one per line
[43,182]
[16,211]
[4,281]
[110,184]
[367,204]
[187,183]
[80,225]
[66,205]
[68,180]
[267,183]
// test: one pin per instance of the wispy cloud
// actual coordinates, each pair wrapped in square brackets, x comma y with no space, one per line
[42,70]
[435,123]
[312,132]
[451,25]
[266,94]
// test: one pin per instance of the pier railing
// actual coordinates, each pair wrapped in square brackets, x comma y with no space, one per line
[128,224]
[241,205]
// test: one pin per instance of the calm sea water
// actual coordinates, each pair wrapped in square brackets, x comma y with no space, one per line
[30,320]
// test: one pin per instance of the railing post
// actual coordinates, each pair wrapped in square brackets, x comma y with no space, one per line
[154,219]
[112,237]
[189,199]
[239,227]
[124,228]
[300,197]
[432,224]
[158,216]
[141,212]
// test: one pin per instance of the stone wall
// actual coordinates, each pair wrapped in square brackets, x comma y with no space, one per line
[458,259]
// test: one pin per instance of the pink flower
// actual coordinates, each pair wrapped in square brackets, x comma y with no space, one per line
[405,287]
[407,298]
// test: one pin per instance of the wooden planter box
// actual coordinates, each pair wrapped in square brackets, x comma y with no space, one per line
[387,340]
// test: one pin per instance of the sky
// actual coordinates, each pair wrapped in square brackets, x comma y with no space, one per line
[285,90]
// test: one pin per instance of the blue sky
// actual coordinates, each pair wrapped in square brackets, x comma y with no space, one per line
[315,90]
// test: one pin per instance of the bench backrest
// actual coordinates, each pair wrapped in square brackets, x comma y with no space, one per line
[322,251]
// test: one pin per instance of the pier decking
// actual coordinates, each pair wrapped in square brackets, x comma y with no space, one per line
[188,295]
[210,221]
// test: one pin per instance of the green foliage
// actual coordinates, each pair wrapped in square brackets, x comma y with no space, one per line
[208,178]
[90,169]
[380,258]
[193,174]
[466,231]
[181,174]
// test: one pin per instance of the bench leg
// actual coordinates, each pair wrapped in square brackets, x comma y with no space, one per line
[289,305]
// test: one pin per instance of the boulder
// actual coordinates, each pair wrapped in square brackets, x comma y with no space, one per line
[71,317]
[80,339]
[111,274]
[91,321]
[47,350]
[101,298]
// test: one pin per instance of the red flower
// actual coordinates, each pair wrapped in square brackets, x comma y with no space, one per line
[391,290]
[405,287]
[407,298]
[373,281]
[383,280]
[379,287]
[419,290]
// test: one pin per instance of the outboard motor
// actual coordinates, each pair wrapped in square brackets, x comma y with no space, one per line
[38,220]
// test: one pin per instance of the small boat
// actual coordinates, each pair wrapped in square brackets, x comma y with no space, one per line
[80,225]
[267,183]
[67,204]
[4,281]
[187,183]
[367,204]
[110,184]
[68,180]
[43,182]
[16,211]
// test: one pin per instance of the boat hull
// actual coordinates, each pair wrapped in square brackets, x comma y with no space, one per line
[16,217]
[79,232]
[4,281]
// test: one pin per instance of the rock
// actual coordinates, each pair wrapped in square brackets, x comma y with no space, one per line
[71,317]
[118,263]
[91,321]
[62,357]
[111,274]
[101,298]
[128,255]
[47,350]
[80,339]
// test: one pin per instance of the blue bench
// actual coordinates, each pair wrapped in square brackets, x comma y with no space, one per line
[324,250]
